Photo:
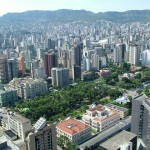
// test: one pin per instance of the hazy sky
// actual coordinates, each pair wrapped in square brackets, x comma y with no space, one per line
[92,5]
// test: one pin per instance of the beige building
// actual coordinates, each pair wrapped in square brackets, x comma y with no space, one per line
[28,87]
[19,125]
[100,117]
[74,130]
[21,135]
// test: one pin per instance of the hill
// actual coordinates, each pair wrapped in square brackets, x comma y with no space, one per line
[64,15]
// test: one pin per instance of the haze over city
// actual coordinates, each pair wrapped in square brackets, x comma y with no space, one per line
[91,5]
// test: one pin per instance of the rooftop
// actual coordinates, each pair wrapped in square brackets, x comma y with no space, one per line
[118,140]
[19,118]
[72,126]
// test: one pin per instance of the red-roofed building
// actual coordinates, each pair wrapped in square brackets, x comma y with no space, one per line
[74,130]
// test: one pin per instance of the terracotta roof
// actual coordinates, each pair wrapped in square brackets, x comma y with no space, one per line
[72,126]
[101,120]
[98,108]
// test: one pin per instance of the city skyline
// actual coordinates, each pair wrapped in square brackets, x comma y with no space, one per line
[90,5]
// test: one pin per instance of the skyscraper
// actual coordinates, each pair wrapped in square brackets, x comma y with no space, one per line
[21,64]
[3,69]
[140,123]
[60,77]
[134,54]
[119,53]
[12,68]
[50,61]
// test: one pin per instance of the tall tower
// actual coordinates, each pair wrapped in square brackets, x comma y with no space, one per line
[134,54]
[21,62]
[12,68]
[120,53]
[3,69]
[50,61]
[140,123]
[60,77]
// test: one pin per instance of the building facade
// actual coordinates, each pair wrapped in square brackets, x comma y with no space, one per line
[74,130]
[60,77]
[28,87]
[140,123]
[100,117]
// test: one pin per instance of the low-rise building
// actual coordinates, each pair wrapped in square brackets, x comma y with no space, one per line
[122,141]
[104,72]
[121,110]
[74,130]
[100,117]
[28,87]
[8,96]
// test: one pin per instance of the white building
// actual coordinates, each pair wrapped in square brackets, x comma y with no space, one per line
[100,117]
[146,58]
[134,55]
[60,77]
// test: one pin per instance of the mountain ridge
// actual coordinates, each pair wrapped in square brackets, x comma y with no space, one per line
[68,15]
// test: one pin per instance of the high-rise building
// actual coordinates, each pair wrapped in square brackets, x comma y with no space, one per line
[12,68]
[43,137]
[3,69]
[120,53]
[140,123]
[21,64]
[76,55]
[76,73]
[134,54]
[50,61]
[146,57]
[60,77]
[96,62]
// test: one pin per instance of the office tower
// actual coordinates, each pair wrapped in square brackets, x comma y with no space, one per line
[28,58]
[86,64]
[50,61]
[96,62]
[146,58]
[12,68]
[42,137]
[21,64]
[3,69]
[34,64]
[18,125]
[60,77]
[76,73]
[63,56]
[39,53]
[134,54]
[50,44]
[8,96]
[120,53]
[140,123]
[99,51]
[122,141]
[76,55]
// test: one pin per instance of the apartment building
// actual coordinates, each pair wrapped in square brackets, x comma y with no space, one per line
[8,96]
[100,117]
[74,130]
[28,87]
